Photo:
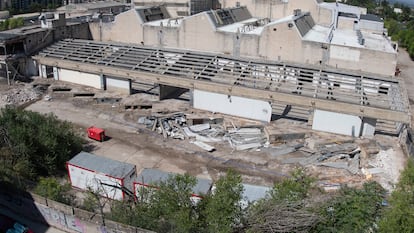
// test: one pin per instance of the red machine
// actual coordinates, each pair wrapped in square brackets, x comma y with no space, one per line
[96,133]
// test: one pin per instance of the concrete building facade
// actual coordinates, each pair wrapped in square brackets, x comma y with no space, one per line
[295,38]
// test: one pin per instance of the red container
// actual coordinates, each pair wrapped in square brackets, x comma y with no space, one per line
[96,133]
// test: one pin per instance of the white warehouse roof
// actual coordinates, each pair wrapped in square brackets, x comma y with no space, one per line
[101,164]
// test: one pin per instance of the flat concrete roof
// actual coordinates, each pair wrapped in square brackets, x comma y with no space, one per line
[349,37]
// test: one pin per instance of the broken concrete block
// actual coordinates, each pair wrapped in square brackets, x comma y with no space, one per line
[339,165]
[200,127]
[204,146]
[247,146]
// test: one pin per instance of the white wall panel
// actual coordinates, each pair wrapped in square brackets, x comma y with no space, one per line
[92,80]
[343,53]
[338,123]
[84,179]
[232,105]
[117,84]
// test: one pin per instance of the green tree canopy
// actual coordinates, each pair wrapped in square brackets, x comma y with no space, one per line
[353,210]
[399,216]
[34,144]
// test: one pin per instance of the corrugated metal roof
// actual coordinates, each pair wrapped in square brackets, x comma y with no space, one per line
[371,17]
[151,176]
[102,165]
[228,16]
[304,23]
[255,192]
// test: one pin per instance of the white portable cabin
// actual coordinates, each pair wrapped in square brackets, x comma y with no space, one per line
[150,178]
[108,177]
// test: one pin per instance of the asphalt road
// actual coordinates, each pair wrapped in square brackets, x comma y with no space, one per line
[35,226]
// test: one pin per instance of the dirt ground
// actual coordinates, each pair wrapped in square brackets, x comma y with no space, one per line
[133,143]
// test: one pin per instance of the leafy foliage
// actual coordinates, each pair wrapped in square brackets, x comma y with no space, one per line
[353,210]
[399,217]
[169,208]
[172,205]
[35,145]
[294,188]
[11,23]
[222,211]
[285,209]
[50,188]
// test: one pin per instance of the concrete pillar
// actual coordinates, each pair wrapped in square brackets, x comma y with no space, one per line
[368,127]
[42,71]
[103,82]
[55,73]
[170,92]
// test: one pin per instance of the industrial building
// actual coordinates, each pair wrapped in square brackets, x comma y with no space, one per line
[17,45]
[351,41]
[334,101]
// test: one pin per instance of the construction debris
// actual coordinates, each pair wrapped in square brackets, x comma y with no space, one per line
[22,94]
[204,146]
[175,126]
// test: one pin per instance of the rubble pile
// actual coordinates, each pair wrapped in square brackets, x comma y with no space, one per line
[176,126]
[341,156]
[22,94]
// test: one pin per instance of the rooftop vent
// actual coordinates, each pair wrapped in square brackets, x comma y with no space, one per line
[297,12]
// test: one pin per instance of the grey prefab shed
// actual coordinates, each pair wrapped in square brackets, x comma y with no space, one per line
[110,178]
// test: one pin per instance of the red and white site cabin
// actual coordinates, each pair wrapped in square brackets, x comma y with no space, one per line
[108,177]
[150,178]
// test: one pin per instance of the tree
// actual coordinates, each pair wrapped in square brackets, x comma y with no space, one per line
[286,208]
[353,210]
[399,216]
[37,145]
[221,211]
[172,206]
[294,188]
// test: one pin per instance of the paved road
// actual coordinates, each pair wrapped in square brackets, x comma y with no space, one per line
[35,226]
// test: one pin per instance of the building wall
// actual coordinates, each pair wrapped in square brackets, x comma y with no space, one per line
[276,42]
[126,28]
[92,80]
[232,105]
[371,26]
[196,32]
[365,60]
[278,9]
[346,23]
[41,39]
[161,36]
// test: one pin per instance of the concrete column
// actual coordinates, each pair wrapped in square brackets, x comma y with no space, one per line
[42,71]
[368,127]
[170,92]
[55,73]
[103,82]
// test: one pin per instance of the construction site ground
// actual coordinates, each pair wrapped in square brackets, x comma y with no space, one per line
[131,142]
